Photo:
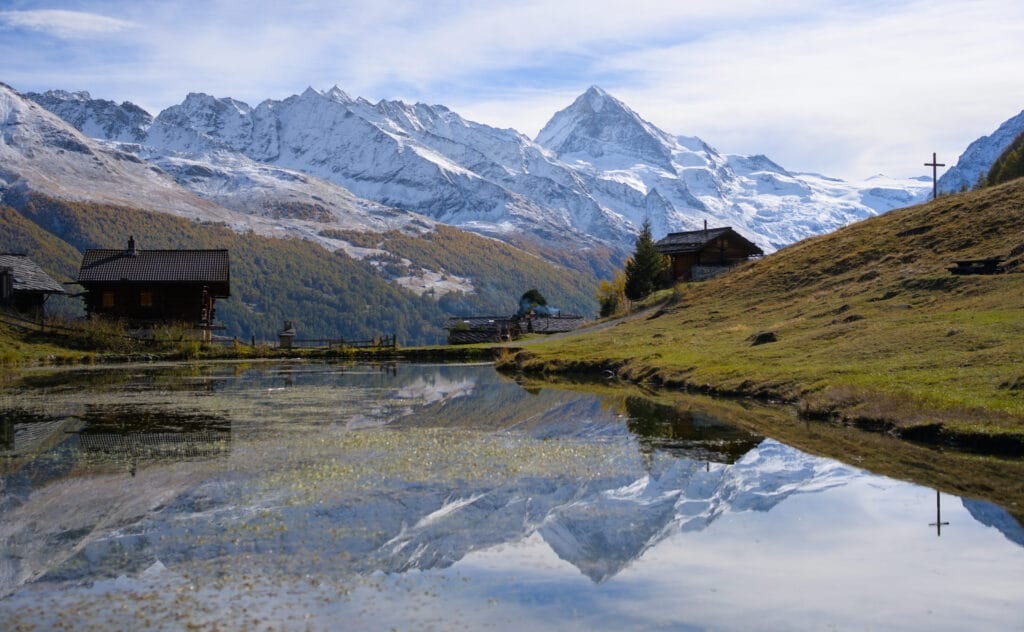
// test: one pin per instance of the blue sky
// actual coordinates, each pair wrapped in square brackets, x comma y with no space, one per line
[848,89]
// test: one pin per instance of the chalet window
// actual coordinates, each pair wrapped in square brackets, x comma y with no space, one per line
[107,299]
[145,298]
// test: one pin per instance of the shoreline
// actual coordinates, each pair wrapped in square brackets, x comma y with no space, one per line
[867,411]
[858,414]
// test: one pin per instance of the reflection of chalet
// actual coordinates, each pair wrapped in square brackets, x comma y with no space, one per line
[151,445]
[702,254]
[145,287]
[24,287]
[153,433]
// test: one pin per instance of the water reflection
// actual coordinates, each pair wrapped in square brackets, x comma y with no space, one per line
[692,434]
[447,496]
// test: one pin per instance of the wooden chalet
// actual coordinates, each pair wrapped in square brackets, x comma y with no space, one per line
[24,286]
[702,254]
[477,329]
[148,287]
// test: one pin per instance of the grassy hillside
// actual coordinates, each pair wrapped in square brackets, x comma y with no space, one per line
[325,294]
[500,272]
[871,328]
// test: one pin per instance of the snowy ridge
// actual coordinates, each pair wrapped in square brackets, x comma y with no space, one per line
[976,161]
[42,153]
[678,182]
[595,171]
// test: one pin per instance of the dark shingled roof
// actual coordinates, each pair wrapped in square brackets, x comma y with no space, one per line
[156,266]
[29,277]
[696,240]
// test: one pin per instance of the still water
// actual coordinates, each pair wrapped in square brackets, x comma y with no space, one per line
[325,497]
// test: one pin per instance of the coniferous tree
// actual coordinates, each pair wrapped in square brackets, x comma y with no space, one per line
[647,269]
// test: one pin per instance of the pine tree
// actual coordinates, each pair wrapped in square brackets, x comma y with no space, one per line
[647,269]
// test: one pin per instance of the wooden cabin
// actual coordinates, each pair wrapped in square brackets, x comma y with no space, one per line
[24,286]
[480,329]
[148,287]
[701,254]
[477,329]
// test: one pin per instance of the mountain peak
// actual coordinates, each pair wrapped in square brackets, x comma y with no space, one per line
[65,95]
[98,118]
[596,98]
[311,92]
[597,124]
[339,95]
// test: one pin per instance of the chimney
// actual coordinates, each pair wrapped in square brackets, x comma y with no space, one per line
[705,229]
[131,246]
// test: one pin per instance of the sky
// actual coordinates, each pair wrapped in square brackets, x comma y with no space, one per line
[847,89]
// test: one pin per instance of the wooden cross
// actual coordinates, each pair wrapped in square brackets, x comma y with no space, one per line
[938,516]
[935,164]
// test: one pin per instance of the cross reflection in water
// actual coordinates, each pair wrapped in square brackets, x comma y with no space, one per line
[938,524]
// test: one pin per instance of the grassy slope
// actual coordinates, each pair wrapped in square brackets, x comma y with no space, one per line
[326,294]
[871,327]
[500,272]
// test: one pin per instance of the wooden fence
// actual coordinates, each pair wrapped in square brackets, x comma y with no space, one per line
[378,342]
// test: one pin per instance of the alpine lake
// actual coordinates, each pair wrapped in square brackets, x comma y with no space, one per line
[305,496]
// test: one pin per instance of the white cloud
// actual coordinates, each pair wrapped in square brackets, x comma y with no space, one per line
[65,24]
[859,92]
[848,88]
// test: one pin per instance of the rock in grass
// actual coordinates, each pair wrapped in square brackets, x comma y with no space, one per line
[762,337]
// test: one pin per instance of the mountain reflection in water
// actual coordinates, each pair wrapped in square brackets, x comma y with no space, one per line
[317,481]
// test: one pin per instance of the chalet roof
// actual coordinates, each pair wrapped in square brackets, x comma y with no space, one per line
[477,322]
[28,276]
[155,266]
[696,240]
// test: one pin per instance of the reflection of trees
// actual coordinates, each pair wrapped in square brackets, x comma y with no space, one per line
[688,433]
[178,378]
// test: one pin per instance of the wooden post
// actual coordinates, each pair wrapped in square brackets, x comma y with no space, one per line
[935,164]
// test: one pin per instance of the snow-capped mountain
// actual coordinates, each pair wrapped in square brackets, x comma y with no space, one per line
[40,152]
[421,158]
[637,170]
[595,171]
[43,153]
[976,161]
[97,118]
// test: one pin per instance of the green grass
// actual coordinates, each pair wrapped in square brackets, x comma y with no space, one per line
[871,327]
